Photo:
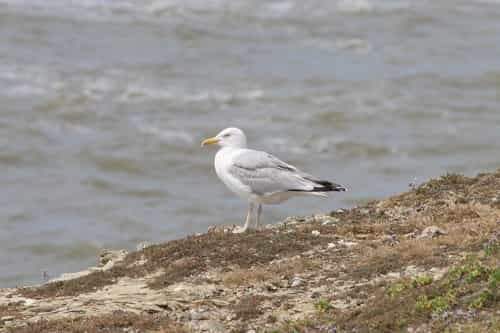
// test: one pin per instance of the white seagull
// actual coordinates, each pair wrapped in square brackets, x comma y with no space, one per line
[259,177]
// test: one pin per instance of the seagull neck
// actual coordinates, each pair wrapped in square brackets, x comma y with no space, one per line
[232,147]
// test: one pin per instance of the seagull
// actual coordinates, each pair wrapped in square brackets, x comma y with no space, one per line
[259,177]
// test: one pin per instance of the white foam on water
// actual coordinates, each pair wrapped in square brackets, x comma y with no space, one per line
[97,88]
[167,135]
[23,90]
[137,92]
[354,6]
[355,44]
[369,6]
[152,9]
[25,81]
[61,132]
[490,2]
[277,9]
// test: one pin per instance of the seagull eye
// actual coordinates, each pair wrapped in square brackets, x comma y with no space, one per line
[226,135]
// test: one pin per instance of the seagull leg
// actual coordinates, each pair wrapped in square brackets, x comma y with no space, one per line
[248,220]
[259,212]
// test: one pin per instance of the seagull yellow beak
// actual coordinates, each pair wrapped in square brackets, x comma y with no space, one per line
[209,141]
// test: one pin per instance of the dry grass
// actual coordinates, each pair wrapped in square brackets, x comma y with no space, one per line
[466,299]
[249,307]
[284,269]
[10,310]
[467,226]
[116,322]
[88,283]
[202,252]
[385,258]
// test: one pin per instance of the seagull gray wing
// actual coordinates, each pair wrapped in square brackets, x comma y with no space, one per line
[265,174]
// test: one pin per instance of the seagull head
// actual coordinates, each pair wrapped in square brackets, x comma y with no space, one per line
[229,137]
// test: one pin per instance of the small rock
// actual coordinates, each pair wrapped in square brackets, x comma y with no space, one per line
[211,326]
[393,275]
[315,294]
[391,240]
[143,245]
[431,232]
[411,235]
[6,319]
[271,287]
[315,233]
[296,282]
[197,315]
[109,258]
[329,221]
[185,316]
[330,245]
[347,243]
[309,253]
[364,211]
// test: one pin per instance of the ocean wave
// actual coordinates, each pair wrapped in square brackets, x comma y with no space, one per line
[25,81]
[153,9]
[166,135]
[354,6]
[141,92]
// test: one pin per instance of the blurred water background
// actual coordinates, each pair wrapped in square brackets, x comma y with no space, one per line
[104,103]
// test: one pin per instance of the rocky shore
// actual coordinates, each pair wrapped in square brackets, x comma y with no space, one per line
[427,260]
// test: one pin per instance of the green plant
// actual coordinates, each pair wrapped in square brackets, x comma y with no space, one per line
[420,281]
[494,279]
[398,287]
[323,305]
[471,272]
[436,304]
[488,296]
[484,298]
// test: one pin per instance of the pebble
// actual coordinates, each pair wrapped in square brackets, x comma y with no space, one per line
[197,315]
[143,245]
[390,240]
[212,326]
[364,211]
[296,282]
[347,243]
[271,287]
[6,319]
[431,232]
[315,294]
[329,221]
[315,233]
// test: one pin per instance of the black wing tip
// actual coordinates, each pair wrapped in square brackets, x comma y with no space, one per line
[327,186]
